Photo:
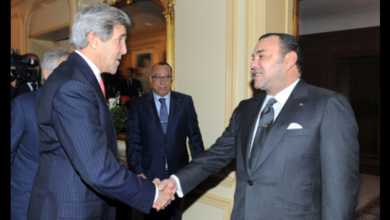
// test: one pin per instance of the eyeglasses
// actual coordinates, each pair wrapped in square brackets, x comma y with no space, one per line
[161,77]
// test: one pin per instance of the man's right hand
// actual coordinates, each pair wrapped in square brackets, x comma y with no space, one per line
[165,196]
[168,184]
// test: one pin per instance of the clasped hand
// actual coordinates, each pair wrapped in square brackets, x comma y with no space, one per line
[166,194]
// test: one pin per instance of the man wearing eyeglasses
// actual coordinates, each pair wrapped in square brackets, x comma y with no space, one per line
[156,133]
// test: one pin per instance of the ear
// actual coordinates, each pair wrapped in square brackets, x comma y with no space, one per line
[45,73]
[93,40]
[290,59]
[150,78]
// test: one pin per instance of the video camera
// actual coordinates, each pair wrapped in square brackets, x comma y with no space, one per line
[22,64]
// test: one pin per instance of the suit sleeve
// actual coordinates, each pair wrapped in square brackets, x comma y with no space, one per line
[339,152]
[193,131]
[17,126]
[78,123]
[212,160]
[134,141]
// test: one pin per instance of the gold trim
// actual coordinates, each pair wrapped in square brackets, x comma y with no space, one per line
[231,89]
[169,12]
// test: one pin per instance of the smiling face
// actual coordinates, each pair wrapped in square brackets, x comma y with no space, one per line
[161,86]
[110,53]
[267,66]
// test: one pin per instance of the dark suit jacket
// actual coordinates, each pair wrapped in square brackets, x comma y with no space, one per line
[79,176]
[307,174]
[146,143]
[22,88]
[24,151]
[132,90]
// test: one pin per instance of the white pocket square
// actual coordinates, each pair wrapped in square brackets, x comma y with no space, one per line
[294,126]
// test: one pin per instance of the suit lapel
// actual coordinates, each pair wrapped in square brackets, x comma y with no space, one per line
[290,109]
[84,68]
[249,121]
[172,112]
[82,65]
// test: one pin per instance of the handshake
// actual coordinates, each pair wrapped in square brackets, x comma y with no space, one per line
[167,189]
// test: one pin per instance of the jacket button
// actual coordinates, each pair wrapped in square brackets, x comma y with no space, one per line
[250,182]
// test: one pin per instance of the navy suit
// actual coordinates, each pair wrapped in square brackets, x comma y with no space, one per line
[146,144]
[79,176]
[130,90]
[24,151]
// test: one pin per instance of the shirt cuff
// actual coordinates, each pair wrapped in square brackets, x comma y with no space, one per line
[156,195]
[179,191]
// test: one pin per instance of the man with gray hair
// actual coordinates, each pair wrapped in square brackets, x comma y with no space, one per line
[24,139]
[79,176]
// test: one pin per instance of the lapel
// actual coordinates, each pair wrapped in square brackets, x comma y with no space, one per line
[250,122]
[153,113]
[82,65]
[87,72]
[172,112]
[290,109]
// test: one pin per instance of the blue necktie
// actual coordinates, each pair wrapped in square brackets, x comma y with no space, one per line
[164,122]
[265,122]
[163,114]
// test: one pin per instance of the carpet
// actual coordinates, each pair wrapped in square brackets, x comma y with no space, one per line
[371,211]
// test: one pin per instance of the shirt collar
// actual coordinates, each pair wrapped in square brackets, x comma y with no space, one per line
[94,68]
[283,95]
[167,97]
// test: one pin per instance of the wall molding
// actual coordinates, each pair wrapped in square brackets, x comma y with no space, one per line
[231,89]
[211,199]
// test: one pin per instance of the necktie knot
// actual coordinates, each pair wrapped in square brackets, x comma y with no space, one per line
[162,100]
[269,105]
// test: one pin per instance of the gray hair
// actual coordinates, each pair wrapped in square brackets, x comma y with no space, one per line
[50,58]
[98,18]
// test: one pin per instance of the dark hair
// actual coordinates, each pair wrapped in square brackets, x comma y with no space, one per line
[163,64]
[32,56]
[289,43]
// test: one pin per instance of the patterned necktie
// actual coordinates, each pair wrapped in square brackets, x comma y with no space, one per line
[265,122]
[102,87]
[163,114]
[164,122]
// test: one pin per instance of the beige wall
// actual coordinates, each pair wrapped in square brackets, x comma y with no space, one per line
[214,43]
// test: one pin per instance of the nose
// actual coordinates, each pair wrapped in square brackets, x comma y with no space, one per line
[123,48]
[254,64]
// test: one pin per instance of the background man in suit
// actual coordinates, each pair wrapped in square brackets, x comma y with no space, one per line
[130,86]
[79,176]
[305,165]
[24,139]
[156,149]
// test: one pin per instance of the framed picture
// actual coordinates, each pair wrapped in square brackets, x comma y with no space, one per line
[143,63]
